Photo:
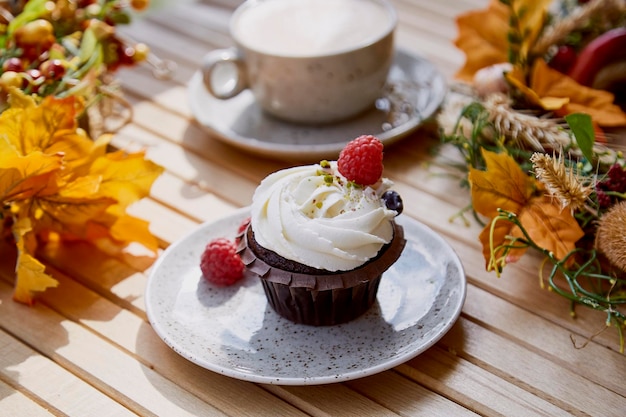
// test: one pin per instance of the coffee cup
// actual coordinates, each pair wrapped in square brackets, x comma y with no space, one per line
[306,61]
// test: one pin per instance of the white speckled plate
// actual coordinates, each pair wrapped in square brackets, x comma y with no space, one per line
[233,331]
[414,92]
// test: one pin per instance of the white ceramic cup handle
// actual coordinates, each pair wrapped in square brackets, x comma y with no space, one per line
[224,61]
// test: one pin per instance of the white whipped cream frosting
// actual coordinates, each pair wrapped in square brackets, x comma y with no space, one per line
[314,216]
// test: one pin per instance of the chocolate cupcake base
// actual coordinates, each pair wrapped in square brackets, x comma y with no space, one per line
[317,297]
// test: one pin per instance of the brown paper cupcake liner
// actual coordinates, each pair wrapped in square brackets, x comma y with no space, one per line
[322,297]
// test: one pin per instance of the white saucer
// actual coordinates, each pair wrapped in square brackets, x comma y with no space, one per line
[414,92]
[233,331]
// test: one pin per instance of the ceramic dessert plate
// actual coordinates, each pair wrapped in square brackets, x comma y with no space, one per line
[414,91]
[233,331]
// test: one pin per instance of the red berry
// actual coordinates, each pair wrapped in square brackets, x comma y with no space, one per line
[220,263]
[361,160]
[13,64]
[52,69]
[564,59]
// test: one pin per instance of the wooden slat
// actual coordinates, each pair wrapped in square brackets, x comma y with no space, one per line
[109,369]
[406,398]
[552,341]
[51,386]
[478,389]
[15,403]
[538,375]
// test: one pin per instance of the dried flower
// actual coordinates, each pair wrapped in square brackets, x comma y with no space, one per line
[561,181]
[610,237]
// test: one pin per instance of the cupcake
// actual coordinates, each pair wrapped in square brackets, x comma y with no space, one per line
[321,236]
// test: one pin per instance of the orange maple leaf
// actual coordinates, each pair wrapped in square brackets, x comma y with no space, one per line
[551,90]
[485,35]
[504,186]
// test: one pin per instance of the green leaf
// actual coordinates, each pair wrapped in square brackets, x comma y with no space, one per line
[582,128]
[88,45]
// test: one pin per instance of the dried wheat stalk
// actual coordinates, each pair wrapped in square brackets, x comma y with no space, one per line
[561,181]
[539,134]
[526,130]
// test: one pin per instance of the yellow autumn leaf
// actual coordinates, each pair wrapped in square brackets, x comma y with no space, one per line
[503,185]
[531,17]
[50,128]
[68,216]
[131,229]
[125,177]
[30,273]
[30,278]
[112,234]
[56,183]
[25,176]
[599,104]
[20,101]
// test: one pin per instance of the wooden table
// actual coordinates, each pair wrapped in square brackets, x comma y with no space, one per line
[87,349]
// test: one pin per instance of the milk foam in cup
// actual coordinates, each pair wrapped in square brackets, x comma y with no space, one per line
[307,61]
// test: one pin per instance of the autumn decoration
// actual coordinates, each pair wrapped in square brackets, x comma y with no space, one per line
[538,115]
[58,182]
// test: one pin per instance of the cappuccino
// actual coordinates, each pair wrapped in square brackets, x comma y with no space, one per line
[306,28]
[306,61]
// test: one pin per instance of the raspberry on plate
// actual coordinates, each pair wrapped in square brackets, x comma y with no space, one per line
[361,160]
[220,263]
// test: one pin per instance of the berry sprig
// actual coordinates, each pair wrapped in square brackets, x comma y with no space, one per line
[614,183]
[48,49]
[361,160]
